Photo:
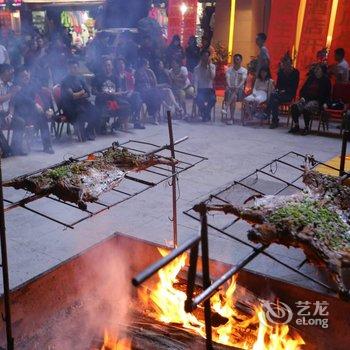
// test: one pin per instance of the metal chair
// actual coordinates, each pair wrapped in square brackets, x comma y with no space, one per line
[341,93]
[60,119]
[247,114]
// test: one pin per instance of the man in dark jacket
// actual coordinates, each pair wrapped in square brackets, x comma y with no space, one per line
[76,104]
[286,88]
[315,92]
[30,107]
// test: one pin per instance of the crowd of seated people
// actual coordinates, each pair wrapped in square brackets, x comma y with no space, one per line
[314,95]
[130,80]
[125,76]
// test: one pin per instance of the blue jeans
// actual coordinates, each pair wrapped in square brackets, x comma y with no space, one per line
[205,100]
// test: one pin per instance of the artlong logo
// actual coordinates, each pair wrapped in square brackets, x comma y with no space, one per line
[277,313]
[308,313]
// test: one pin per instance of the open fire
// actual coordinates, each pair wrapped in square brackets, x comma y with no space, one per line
[235,328]
[244,330]
[111,342]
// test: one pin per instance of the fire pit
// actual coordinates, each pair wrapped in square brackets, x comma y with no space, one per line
[73,305]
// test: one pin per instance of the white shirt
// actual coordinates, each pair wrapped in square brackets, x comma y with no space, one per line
[236,78]
[184,73]
[204,77]
[4,90]
[343,71]
[4,57]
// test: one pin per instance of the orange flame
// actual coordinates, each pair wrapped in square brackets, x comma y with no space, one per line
[245,332]
[111,342]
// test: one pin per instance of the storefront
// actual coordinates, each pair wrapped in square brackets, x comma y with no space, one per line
[10,18]
[80,18]
[159,12]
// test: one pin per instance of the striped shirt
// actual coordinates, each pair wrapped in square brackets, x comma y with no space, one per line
[4,90]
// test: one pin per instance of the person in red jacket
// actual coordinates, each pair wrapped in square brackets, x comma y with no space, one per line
[126,92]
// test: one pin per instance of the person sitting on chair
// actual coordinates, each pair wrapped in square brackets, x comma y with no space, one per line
[76,104]
[181,85]
[126,93]
[315,92]
[341,69]
[7,91]
[104,87]
[236,76]
[204,75]
[163,83]
[263,88]
[30,108]
[286,88]
[146,85]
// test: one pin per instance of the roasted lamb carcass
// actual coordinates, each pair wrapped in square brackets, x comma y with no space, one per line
[314,225]
[327,187]
[85,180]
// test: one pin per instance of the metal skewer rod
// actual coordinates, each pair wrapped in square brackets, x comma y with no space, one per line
[345,138]
[173,179]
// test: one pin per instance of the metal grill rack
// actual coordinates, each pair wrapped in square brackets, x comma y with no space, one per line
[282,175]
[132,185]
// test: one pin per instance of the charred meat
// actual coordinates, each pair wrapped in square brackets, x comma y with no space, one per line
[85,180]
[316,220]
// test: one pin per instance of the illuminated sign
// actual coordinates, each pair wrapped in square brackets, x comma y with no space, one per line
[16,3]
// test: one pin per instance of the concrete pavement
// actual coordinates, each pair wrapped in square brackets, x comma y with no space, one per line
[36,244]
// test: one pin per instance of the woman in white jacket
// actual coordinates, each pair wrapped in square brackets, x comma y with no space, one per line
[263,87]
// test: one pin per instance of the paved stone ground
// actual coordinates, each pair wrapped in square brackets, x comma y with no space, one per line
[36,244]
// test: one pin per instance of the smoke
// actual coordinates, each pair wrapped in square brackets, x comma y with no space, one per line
[124,14]
[103,297]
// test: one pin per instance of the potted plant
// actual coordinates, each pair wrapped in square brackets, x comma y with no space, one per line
[220,59]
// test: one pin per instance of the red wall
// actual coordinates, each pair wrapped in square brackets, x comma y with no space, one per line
[175,20]
[314,33]
[341,34]
[282,30]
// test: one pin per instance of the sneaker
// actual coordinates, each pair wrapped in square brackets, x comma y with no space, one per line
[294,130]
[49,150]
[273,126]
[139,126]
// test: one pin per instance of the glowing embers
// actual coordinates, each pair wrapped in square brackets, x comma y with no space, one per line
[111,342]
[233,327]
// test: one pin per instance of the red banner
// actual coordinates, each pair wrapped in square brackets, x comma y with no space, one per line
[341,34]
[182,23]
[282,30]
[314,33]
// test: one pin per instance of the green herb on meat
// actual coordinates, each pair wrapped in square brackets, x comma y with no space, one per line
[327,224]
[59,172]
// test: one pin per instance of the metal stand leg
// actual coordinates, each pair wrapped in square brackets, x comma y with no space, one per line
[191,278]
[5,274]
[174,179]
[206,276]
[345,139]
